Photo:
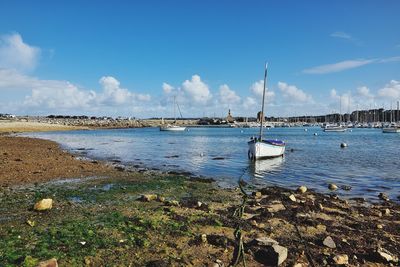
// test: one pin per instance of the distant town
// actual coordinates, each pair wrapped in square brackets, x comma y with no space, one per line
[358,118]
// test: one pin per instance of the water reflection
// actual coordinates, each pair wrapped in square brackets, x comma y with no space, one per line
[260,169]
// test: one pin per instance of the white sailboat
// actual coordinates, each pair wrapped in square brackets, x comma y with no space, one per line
[339,127]
[173,127]
[262,148]
[393,127]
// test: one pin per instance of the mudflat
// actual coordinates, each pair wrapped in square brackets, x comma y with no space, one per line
[31,160]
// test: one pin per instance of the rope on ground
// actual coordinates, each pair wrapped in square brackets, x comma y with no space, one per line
[238,254]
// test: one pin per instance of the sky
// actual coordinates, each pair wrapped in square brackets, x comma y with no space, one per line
[131,58]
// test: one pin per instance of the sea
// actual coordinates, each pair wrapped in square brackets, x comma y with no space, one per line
[370,163]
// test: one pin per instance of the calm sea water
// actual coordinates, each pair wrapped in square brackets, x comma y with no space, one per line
[370,163]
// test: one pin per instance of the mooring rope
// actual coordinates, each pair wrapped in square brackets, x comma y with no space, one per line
[238,254]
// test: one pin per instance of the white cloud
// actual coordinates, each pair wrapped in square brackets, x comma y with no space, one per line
[364,92]
[228,96]
[197,90]
[343,102]
[342,35]
[15,54]
[167,88]
[390,91]
[257,89]
[250,103]
[113,94]
[293,93]
[339,66]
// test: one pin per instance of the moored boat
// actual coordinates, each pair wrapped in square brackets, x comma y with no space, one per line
[173,127]
[335,128]
[260,148]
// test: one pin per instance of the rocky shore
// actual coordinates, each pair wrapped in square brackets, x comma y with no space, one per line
[67,211]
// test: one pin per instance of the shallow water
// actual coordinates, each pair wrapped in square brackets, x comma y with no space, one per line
[370,163]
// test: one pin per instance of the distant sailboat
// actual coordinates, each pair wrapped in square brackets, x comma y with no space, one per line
[260,148]
[173,127]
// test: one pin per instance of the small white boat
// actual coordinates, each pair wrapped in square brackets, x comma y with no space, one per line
[393,128]
[174,128]
[260,148]
[335,128]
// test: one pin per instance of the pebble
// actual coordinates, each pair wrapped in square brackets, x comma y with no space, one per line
[341,259]
[383,196]
[332,187]
[292,198]
[386,256]
[257,194]
[302,189]
[386,212]
[328,241]
[44,204]
[204,238]
[379,226]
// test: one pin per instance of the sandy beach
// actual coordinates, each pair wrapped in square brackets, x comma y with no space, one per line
[114,216]
[8,126]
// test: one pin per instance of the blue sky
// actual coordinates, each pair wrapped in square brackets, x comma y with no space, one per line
[126,58]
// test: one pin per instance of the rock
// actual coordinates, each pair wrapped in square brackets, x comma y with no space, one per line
[383,196]
[203,238]
[341,259]
[386,212]
[328,241]
[275,207]
[346,187]
[332,187]
[257,194]
[148,198]
[273,255]
[379,226]
[218,263]
[385,256]
[292,198]
[302,189]
[49,263]
[320,206]
[44,204]
[264,241]
[30,223]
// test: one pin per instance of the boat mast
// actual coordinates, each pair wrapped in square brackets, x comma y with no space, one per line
[174,110]
[262,109]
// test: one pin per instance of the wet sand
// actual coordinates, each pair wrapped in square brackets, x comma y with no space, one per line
[30,160]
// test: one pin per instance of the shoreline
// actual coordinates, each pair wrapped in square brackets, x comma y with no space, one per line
[174,223]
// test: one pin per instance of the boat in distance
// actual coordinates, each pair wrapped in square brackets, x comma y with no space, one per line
[335,128]
[260,148]
[172,128]
[393,128]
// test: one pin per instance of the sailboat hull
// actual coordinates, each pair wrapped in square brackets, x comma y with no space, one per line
[391,130]
[265,149]
[173,128]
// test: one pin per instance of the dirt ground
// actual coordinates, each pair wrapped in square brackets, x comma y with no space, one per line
[30,160]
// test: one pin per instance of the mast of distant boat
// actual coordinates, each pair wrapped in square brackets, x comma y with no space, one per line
[263,99]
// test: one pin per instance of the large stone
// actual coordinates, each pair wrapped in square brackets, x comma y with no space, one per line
[44,204]
[328,241]
[273,255]
[257,194]
[341,259]
[49,263]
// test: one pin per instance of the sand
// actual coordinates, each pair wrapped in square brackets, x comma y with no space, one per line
[20,126]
